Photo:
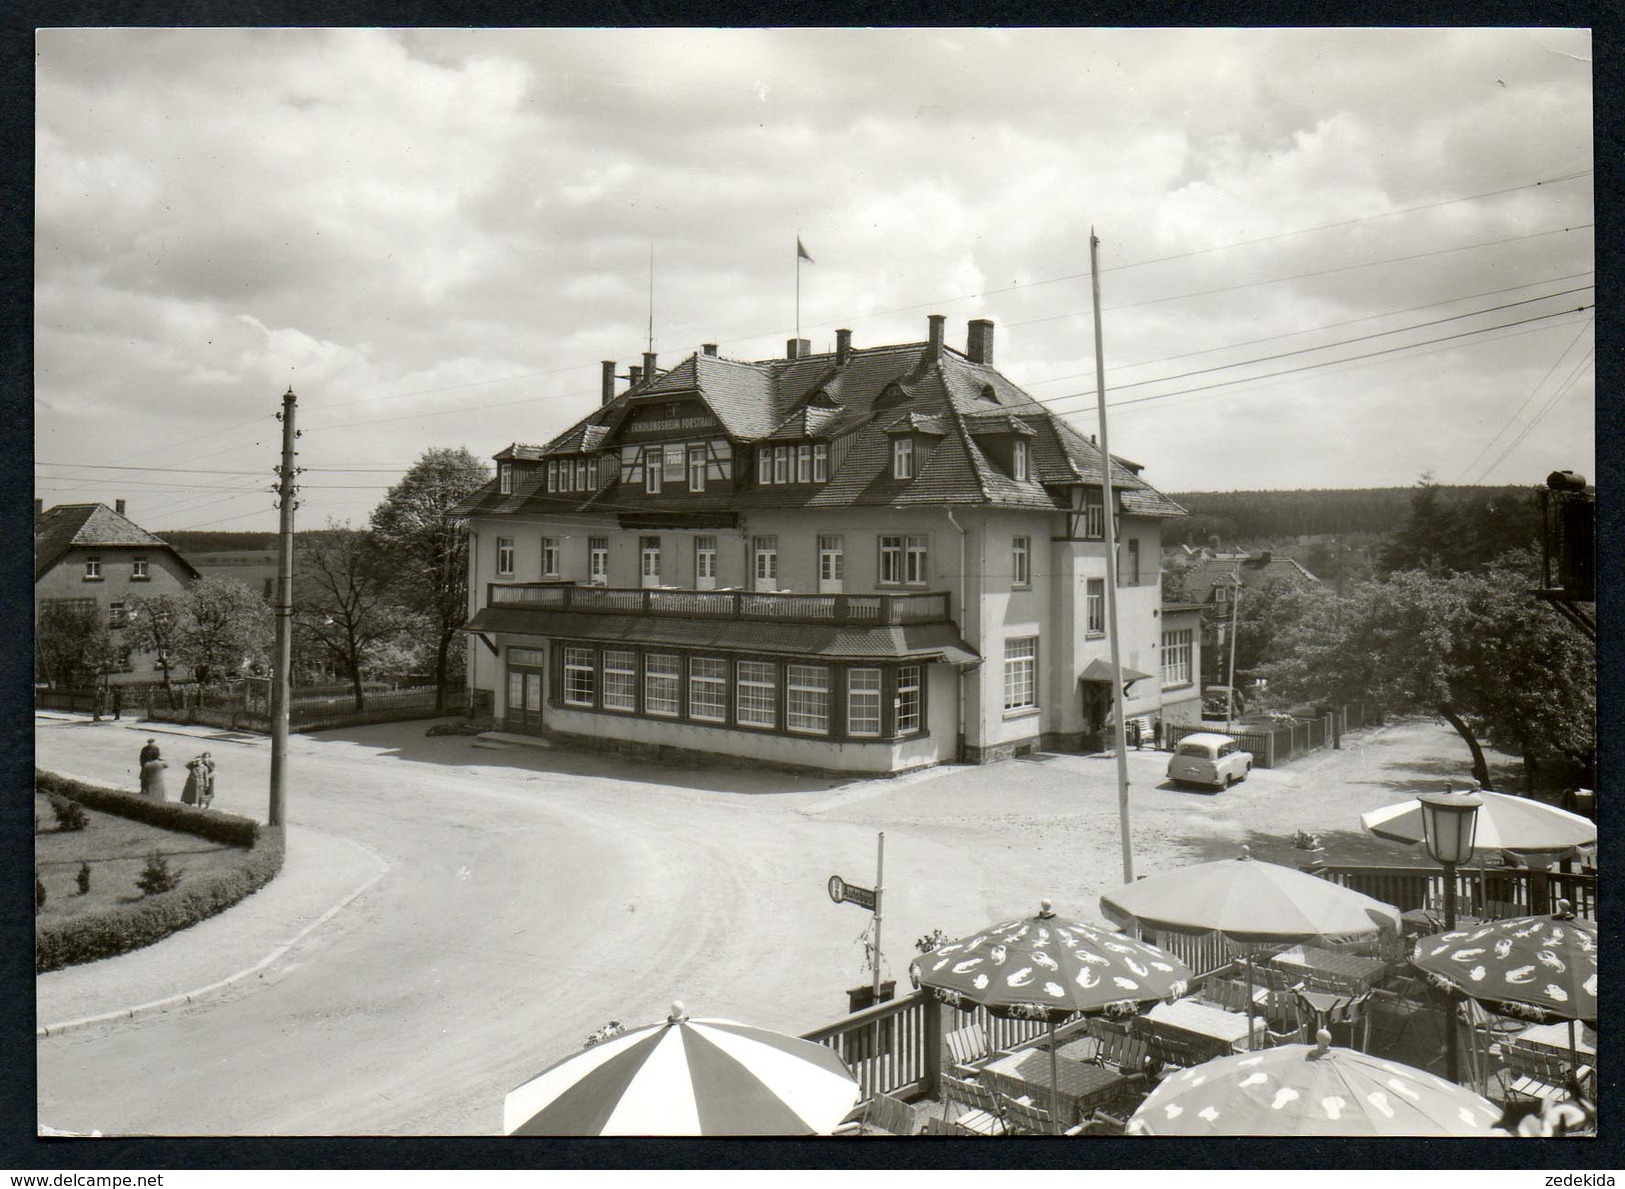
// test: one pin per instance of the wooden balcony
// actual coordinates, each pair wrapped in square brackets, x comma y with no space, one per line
[863,610]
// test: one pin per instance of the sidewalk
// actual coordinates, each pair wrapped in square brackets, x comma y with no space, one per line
[320,876]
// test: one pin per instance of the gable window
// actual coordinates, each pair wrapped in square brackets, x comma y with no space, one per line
[765,562]
[1018,468]
[781,464]
[583,474]
[863,701]
[651,469]
[902,458]
[764,465]
[907,701]
[93,569]
[756,694]
[580,679]
[662,675]
[1021,566]
[1021,673]
[675,463]
[806,698]
[831,564]
[550,557]
[1176,657]
[505,557]
[1221,594]
[1094,607]
[1094,516]
[138,569]
[505,478]
[552,475]
[649,560]
[696,468]
[820,462]
[804,464]
[598,560]
[708,688]
[1128,571]
[705,563]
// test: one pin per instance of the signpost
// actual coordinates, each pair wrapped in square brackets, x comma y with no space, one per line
[842,892]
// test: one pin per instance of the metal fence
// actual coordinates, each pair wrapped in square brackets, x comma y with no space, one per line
[1284,738]
[244,707]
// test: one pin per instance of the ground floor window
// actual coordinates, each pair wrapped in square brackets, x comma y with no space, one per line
[1176,657]
[1021,673]
[834,700]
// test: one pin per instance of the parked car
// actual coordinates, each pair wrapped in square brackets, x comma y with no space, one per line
[1211,759]
[1218,699]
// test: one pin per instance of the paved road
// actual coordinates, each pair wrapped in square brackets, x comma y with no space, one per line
[532,895]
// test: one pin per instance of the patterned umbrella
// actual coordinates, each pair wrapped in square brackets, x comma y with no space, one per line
[1540,968]
[1311,1090]
[687,1077]
[1504,822]
[1045,968]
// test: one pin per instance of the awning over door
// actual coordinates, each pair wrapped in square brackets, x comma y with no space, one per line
[1099,670]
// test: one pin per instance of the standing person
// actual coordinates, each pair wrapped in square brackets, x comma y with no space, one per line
[196,779]
[206,783]
[149,752]
[118,704]
[152,776]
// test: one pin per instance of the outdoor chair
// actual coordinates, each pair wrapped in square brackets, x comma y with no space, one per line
[1023,1118]
[968,1048]
[974,1107]
[1128,1055]
[891,1116]
[1539,1073]
[936,1126]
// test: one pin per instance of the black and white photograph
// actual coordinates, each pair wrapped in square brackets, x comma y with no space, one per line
[919,584]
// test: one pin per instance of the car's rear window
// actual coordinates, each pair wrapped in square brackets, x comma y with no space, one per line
[1200,750]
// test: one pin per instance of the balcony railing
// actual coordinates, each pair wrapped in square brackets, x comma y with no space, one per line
[870,610]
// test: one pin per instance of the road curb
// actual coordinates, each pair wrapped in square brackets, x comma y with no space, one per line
[185,997]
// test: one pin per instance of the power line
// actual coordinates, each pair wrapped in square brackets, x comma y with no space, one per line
[1518,412]
[1550,404]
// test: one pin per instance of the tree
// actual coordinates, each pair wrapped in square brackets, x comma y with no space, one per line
[229,628]
[1265,618]
[1432,538]
[428,549]
[343,607]
[156,623]
[1474,648]
[73,645]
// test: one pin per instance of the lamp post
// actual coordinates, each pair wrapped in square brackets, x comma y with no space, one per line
[1449,824]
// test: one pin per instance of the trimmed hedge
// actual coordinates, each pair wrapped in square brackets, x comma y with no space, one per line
[229,828]
[130,926]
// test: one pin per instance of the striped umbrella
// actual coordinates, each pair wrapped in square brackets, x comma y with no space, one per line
[687,1077]
[1311,1090]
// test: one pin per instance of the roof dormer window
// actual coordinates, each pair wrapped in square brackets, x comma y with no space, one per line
[505,478]
[989,395]
[1019,461]
[902,458]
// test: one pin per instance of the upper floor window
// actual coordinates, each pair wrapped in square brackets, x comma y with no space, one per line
[93,569]
[550,557]
[115,615]
[1094,607]
[505,556]
[781,464]
[831,559]
[138,569]
[902,458]
[705,563]
[598,560]
[1094,516]
[1128,571]
[584,474]
[649,559]
[675,457]
[820,462]
[652,469]
[804,463]
[696,468]
[1021,566]
[765,552]
[903,560]
[1221,593]
[552,475]
[505,478]
[1018,469]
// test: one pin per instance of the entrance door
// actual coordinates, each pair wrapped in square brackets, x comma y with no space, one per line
[524,710]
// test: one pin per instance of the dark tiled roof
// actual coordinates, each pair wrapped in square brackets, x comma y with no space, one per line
[90,526]
[1254,573]
[924,641]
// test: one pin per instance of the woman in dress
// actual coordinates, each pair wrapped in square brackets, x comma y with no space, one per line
[152,778]
[197,780]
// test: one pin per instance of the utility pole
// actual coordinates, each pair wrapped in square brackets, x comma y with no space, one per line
[1119,727]
[1230,681]
[282,662]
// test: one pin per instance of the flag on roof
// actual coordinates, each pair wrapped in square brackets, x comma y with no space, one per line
[801,252]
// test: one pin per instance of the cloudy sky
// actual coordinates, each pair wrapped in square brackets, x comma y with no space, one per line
[1333,258]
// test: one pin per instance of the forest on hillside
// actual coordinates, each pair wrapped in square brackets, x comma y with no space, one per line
[192,541]
[1244,517]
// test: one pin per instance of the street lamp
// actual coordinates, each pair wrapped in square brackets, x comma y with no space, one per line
[1449,824]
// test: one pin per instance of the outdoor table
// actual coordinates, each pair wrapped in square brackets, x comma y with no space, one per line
[1350,972]
[1556,1038]
[1204,1020]
[1080,1085]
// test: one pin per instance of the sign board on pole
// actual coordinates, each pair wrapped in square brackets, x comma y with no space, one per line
[844,893]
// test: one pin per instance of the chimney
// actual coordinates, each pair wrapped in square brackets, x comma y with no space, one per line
[634,375]
[797,348]
[649,368]
[607,384]
[979,341]
[709,349]
[937,322]
[118,506]
[843,347]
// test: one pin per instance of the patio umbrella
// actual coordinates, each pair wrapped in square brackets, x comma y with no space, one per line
[1246,900]
[1311,1090]
[1540,968]
[1504,822]
[1046,968]
[687,1077]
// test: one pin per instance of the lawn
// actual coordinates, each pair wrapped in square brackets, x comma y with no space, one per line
[116,849]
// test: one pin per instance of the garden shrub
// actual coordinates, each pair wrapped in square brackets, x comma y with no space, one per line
[156,877]
[83,878]
[213,824]
[130,926]
[70,815]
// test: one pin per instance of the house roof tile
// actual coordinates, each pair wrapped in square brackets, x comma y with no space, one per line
[90,526]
